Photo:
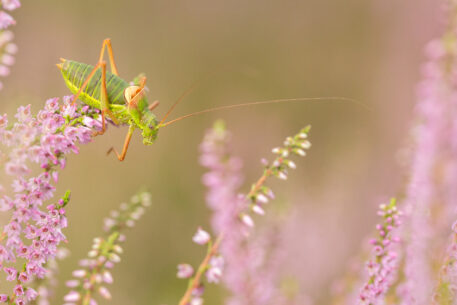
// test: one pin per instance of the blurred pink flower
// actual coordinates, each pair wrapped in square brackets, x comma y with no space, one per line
[201,237]
[6,20]
[433,176]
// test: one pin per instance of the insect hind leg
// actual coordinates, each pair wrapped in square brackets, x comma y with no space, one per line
[105,101]
[107,44]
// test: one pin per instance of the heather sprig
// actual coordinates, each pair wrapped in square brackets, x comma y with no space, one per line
[232,213]
[7,51]
[5,19]
[260,194]
[7,48]
[32,236]
[95,273]
[44,241]
[383,266]
[212,266]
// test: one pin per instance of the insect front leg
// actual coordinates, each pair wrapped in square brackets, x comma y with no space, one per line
[121,156]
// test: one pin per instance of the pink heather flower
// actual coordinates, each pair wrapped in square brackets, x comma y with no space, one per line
[7,48]
[30,294]
[3,298]
[12,274]
[185,271]
[8,60]
[261,198]
[72,296]
[107,277]
[201,237]
[196,301]
[79,273]
[104,292]
[72,283]
[19,290]
[5,20]
[214,275]
[258,209]
[11,4]
[4,70]
[247,220]
[23,277]
[216,266]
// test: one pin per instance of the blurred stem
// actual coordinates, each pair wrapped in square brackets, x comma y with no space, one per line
[195,282]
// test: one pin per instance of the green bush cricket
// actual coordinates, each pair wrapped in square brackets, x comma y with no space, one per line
[121,102]
[124,103]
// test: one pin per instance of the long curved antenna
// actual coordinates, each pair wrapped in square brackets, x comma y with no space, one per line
[186,93]
[192,87]
[300,99]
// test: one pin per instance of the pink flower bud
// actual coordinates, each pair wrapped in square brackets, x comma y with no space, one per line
[72,296]
[79,273]
[104,292]
[247,220]
[185,271]
[201,237]
[261,198]
[258,209]
[72,283]
[214,274]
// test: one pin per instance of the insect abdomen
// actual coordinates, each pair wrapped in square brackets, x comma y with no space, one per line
[75,73]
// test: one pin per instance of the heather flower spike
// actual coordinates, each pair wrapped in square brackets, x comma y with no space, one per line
[232,214]
[7,48]
[32,236]
[95,270]
[260,194]
[383,267]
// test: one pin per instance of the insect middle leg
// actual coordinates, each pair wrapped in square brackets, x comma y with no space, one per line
[121,156]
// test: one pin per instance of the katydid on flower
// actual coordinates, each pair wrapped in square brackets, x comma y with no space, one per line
[116,98]
[125,103]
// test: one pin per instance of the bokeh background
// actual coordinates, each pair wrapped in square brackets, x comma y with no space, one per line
[242,51]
